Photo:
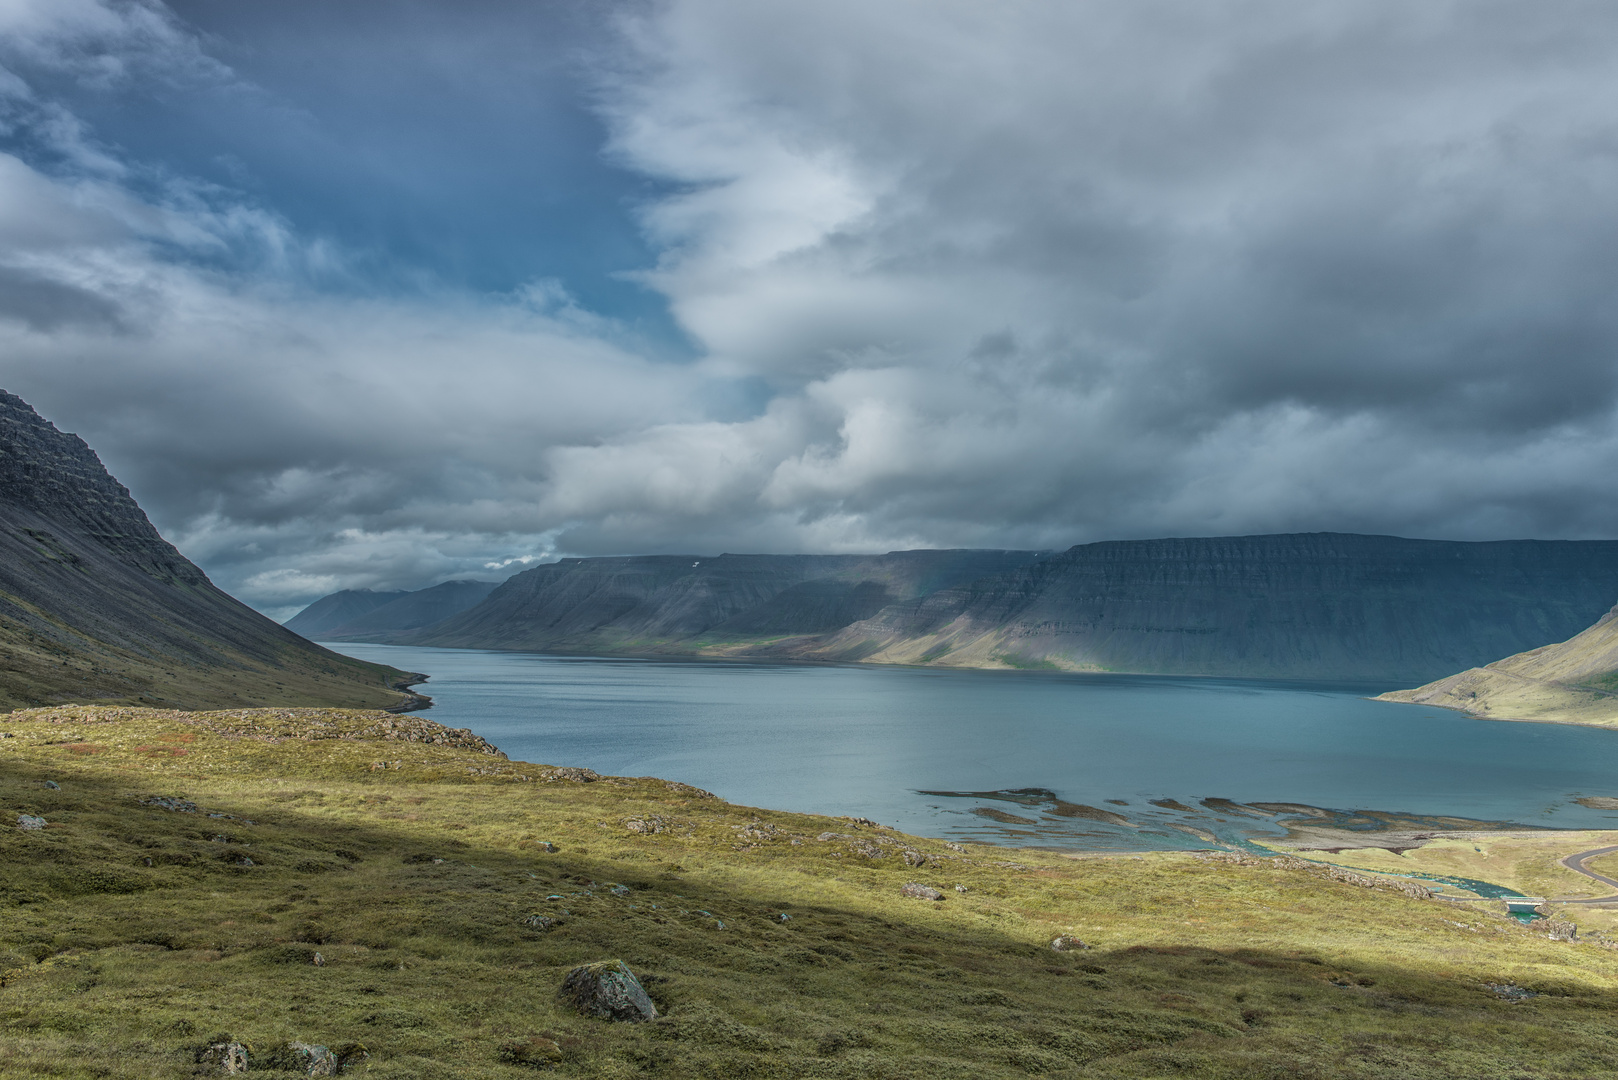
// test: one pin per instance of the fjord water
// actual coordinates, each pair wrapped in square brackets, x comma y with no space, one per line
[1015,751]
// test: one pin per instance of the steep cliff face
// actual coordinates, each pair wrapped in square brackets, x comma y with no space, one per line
[1572,682]
[1316,605]
[689,603]
[96,606]
[1303,606]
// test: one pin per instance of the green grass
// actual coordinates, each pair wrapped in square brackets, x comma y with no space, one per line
[1024,663]
[1201,967]
[1607,682]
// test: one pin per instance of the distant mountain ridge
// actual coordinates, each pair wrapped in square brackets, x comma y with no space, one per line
[1573,682]
[1302,606]
[95,606]
[362,615]
[687,603]
[334,610]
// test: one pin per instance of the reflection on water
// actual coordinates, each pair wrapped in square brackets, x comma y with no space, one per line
[1071,761]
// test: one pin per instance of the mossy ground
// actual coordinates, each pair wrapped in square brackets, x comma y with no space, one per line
[129,933]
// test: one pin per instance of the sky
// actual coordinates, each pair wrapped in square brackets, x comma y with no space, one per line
[389,292]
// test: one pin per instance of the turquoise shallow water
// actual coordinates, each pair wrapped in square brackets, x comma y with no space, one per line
[1021,757]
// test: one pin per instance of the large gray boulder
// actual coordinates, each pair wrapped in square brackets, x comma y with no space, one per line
[608,989]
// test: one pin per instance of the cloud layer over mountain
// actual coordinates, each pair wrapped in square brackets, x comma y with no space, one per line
[869,276]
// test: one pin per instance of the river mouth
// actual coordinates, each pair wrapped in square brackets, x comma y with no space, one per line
[1039,817]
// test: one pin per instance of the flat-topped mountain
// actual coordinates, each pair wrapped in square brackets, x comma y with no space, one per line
[1309,605]
[687,603]
[1304,606]
[363,615]
[1573,682]
[96,606]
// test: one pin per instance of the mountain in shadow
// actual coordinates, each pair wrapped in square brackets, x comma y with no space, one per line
[362,615]
[95,606]
[1321,606]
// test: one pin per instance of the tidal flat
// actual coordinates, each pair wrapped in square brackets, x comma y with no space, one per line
[270,876]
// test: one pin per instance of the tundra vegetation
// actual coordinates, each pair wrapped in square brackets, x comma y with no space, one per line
[402,894]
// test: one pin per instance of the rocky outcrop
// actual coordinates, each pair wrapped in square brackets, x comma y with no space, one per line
[1573,682]
[96,606]
[608,990]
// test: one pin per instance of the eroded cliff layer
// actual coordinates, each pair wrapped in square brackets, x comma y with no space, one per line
[1309,605]
[697,603]
[96,606]
[1302,606]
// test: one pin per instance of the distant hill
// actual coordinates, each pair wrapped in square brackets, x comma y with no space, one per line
[1302,606]
[352,616]
[95,606]
[1573,682]
[330,612]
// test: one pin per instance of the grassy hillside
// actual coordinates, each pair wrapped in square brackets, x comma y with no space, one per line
[1571,682]
[136,931]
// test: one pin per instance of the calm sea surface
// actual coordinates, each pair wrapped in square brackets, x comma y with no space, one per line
[1017,757]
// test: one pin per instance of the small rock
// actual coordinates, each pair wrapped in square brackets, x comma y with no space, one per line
[917,891]
[30,822]
[1560,930]
[609,990]
[568,772]
[6,735]
[541,922]
[170,802]
[547,847]
[619,890]
[783,917]
[53,785]
[318,960]
[954,846]
[229,1057]
[829,836]
[536,1053]
[914,858]
[1067,943]
[960,888]
[1511,991]
[307,1058]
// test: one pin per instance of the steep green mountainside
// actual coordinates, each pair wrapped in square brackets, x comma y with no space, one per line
[96,606]
[400,894]
[329,612]
[411,611]
[1302,606]
[686,603]
[1574,681]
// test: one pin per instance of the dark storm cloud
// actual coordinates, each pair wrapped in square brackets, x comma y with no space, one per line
[44,305]
[411,290]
